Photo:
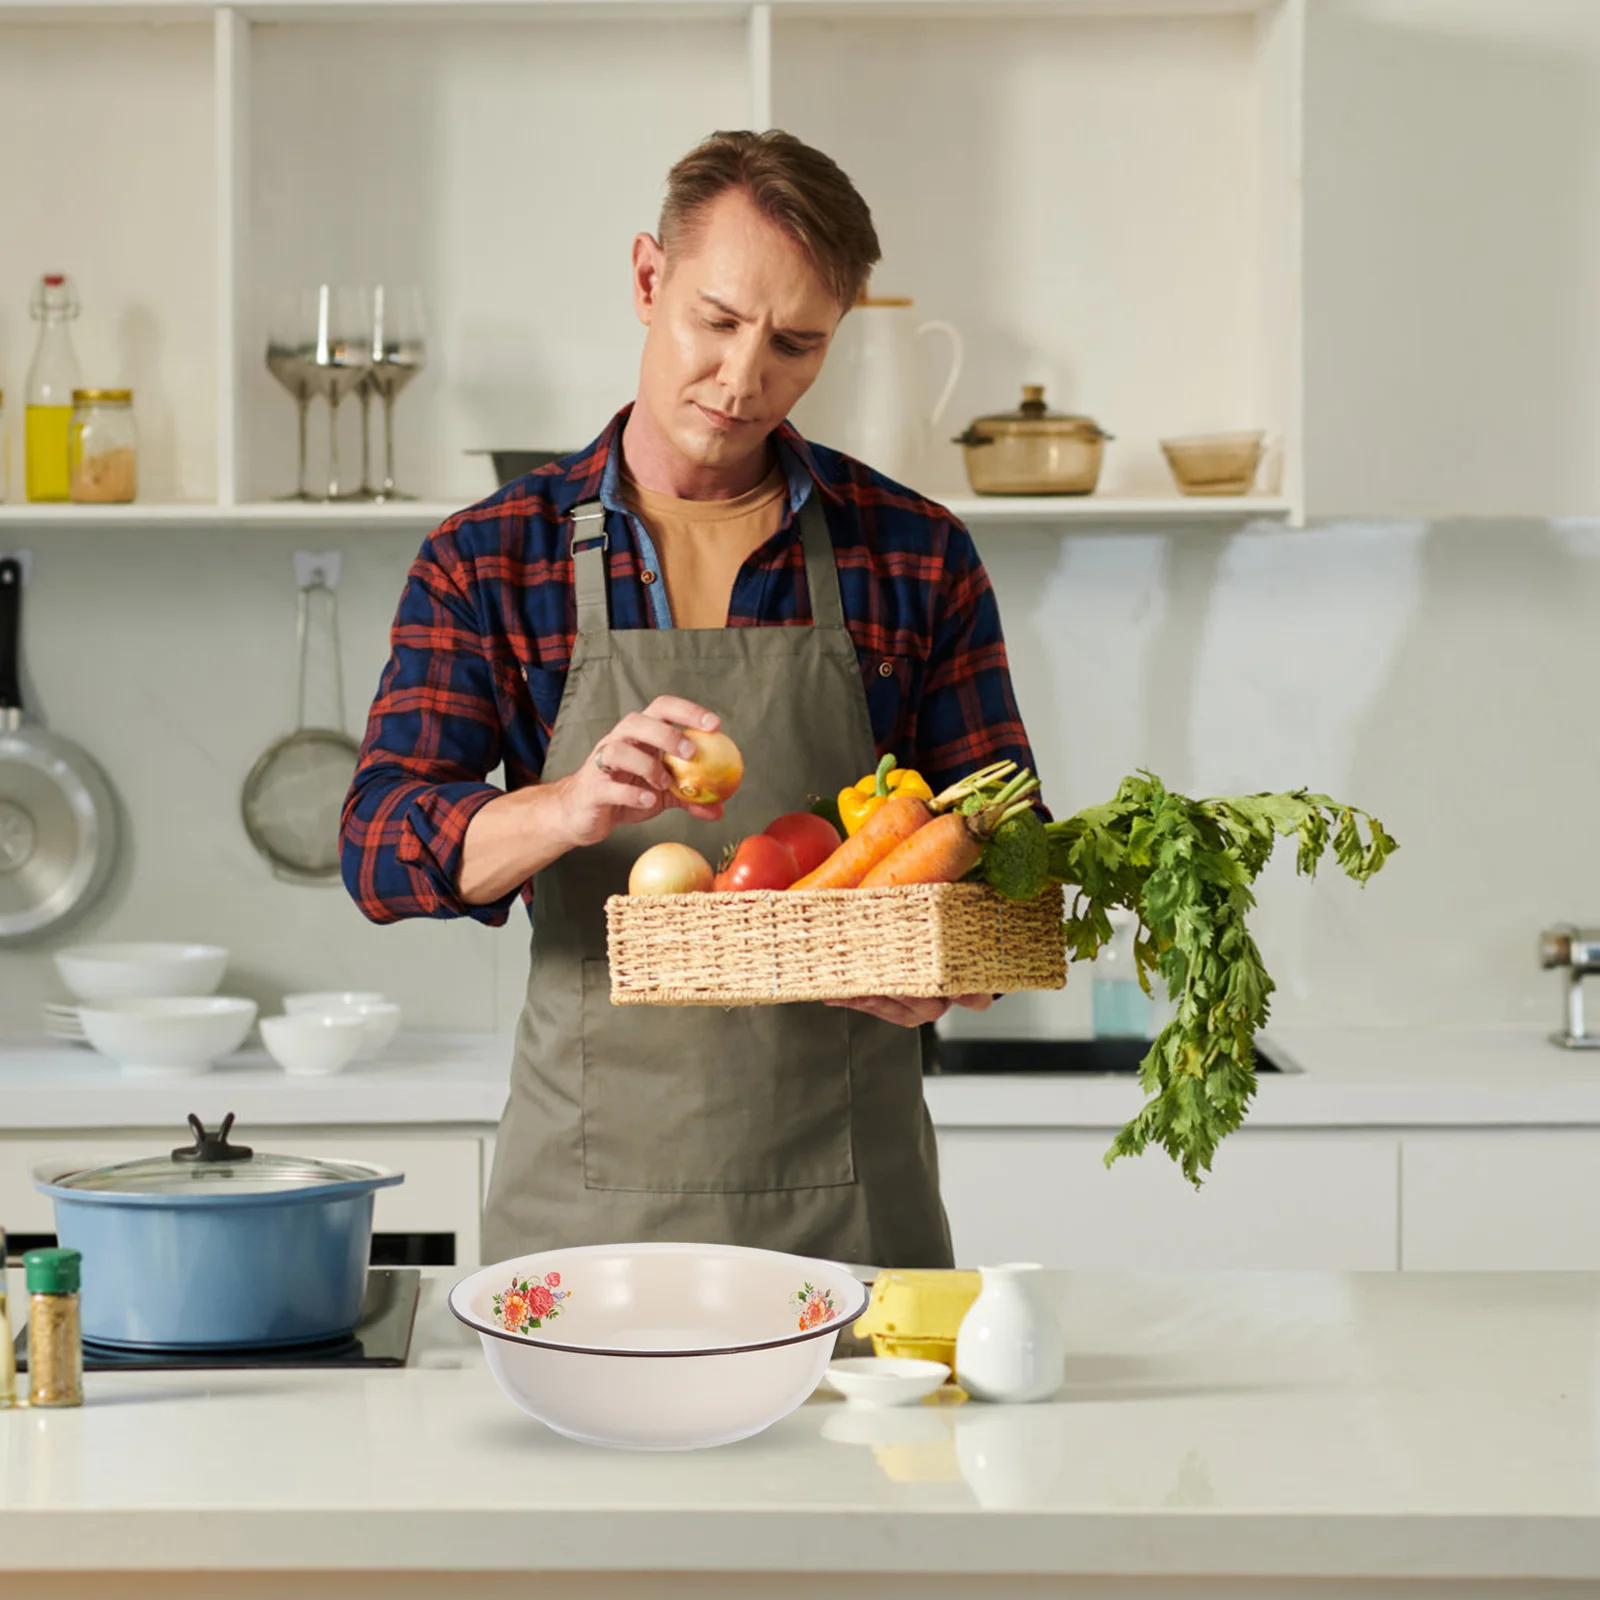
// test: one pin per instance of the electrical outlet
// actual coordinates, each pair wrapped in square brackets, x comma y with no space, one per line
[317,568]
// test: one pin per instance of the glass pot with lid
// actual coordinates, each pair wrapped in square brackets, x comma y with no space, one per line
[1033,450]
[216,1245]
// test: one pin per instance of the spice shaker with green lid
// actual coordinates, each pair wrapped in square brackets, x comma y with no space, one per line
[55,1331]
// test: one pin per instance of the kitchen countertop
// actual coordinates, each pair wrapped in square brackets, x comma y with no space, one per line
[1284,1425]
[1350,1077]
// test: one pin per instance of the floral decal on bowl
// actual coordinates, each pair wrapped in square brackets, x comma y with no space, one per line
[529,1303]
[814,1305]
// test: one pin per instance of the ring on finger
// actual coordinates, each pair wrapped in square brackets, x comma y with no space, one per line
[599,761]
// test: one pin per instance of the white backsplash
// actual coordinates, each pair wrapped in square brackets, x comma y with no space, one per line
[1436,674]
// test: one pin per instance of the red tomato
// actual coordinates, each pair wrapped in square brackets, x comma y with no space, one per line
[759,863]
[811,839]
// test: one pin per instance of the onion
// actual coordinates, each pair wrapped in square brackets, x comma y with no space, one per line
[711,774]
[670,869]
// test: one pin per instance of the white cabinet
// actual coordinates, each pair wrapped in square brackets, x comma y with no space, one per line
[1106,199]
[1506,1201]
[443,1176]
[1285,1201]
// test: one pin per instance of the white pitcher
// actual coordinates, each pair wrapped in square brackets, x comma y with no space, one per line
[1010,1346]
[867,402]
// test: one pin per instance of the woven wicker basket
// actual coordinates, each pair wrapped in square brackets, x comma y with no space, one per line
[767,948]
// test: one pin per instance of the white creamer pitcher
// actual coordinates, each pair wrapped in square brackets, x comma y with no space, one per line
[1010,1346]
[869,398]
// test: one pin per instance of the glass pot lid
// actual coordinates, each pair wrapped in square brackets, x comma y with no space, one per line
[1032,419]
[212,1166]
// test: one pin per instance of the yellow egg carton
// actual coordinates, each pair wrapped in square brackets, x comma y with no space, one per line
[917,1312]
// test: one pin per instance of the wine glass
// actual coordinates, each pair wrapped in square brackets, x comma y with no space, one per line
[364,393]
[398,354]
[341,359]
[291,348]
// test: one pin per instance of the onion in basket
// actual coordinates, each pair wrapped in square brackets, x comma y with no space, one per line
[670,869]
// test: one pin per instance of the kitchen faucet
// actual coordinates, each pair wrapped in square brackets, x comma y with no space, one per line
[1578,950]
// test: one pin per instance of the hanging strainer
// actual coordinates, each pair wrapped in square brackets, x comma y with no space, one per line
[296,789]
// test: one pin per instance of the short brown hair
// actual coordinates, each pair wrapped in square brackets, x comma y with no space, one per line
[793,185]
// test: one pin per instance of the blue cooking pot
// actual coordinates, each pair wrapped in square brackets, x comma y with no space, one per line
[217,1246]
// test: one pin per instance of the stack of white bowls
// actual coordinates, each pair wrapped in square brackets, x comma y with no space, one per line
[152,1007]
[61,1021]
[323,1031]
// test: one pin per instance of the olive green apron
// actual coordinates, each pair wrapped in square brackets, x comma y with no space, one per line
[795,1127]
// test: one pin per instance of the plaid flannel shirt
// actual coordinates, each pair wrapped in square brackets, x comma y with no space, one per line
[486,623]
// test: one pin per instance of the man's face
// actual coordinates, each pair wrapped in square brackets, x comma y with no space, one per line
[737,330]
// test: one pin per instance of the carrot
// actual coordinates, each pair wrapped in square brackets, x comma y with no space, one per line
[896,820]
[943,852]
[952,845]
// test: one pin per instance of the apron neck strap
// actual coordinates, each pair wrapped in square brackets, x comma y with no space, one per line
[822,573]
[590,546]
[589,550]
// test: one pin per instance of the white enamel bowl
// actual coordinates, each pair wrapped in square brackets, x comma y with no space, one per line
[659,1346]
[97,972]
[310,1045]
[381,1017]
[886,1380]
[168,1037]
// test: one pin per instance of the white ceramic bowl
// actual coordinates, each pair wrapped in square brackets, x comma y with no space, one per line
[886,1380]
[124,971]
[381,1017]
[659,1346]
[168,1037]
[311,1045]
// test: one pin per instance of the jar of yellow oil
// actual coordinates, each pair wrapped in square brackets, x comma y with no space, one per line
[47,400]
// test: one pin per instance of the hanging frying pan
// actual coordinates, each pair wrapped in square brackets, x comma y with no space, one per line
[58,828]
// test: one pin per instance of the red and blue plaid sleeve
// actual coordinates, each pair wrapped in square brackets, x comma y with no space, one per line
[433,736]
[968,713]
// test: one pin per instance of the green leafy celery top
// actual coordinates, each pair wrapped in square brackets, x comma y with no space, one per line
[1185,868]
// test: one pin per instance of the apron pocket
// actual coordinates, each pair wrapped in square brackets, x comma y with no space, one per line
[699,1100]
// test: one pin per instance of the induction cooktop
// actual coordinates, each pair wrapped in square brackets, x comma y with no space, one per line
[381,1339]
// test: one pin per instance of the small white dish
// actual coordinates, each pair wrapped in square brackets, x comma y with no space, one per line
[168,1037]
[332,1000]
[310,1045]
[382,1017]
[97,972]
[879,1381]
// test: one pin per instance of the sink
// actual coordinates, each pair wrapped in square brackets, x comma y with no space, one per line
[1033,1056]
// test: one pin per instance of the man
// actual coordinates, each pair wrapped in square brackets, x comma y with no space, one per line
[698,565]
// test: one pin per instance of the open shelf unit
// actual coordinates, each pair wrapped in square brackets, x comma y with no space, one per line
[1117,216]
[421,515]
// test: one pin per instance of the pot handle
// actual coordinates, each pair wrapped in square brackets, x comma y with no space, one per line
[957,357]
[10,628]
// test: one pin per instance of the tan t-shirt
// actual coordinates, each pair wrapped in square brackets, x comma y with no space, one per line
[703,543]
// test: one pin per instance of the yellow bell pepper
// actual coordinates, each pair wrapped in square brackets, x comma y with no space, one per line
[860,800]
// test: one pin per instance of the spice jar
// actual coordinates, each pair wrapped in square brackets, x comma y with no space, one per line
[8,1356]
[103,447]
[55,1335]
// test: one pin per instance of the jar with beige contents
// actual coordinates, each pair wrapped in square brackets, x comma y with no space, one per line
[103,447]
[55,1328]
